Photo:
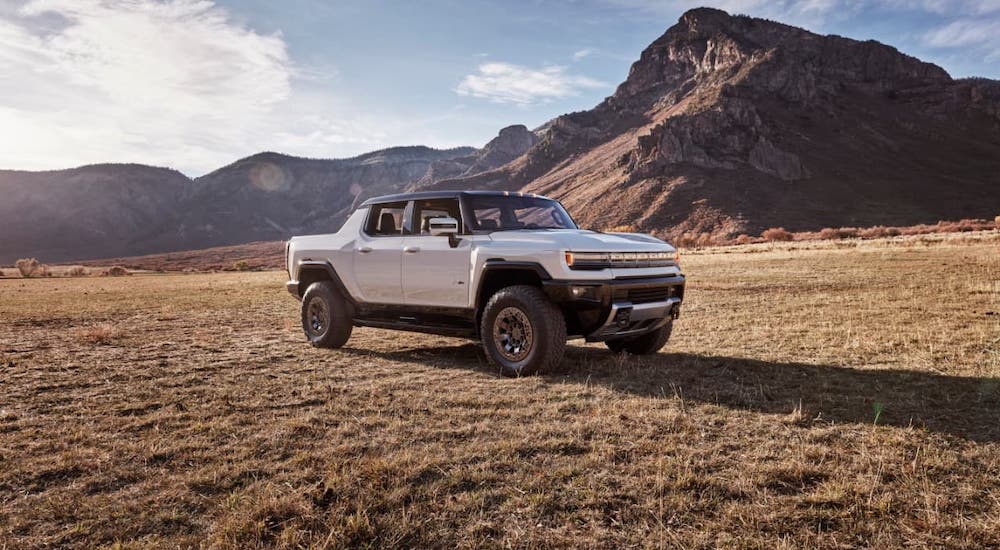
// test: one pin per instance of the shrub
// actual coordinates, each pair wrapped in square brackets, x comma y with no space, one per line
[115,271]
[684,240]
[627,228]
[838,233]
[705,239]
[743,238]
[241,265]
[30,267]
[77,271]
[996,222]
[777,234]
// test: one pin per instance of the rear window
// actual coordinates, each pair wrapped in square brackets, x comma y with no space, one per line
[385,219]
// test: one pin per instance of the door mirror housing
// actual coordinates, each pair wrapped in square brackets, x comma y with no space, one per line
[443,226]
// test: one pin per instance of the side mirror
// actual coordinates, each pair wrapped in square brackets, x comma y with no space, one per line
[443,226]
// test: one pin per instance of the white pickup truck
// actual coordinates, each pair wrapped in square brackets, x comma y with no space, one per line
[512,270]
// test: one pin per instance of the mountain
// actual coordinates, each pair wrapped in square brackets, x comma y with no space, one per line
[270,196]
[124,210]
[730,124]
[97,210]
[725,125]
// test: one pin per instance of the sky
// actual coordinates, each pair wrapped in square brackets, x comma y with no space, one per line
[197,84]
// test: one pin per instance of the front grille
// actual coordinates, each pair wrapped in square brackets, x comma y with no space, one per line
[619,260]
[635,260]
[646,295]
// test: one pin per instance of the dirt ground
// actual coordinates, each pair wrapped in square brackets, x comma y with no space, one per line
[832,396]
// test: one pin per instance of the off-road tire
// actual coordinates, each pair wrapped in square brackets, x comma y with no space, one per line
[546,323]
[646,344]
[332,329]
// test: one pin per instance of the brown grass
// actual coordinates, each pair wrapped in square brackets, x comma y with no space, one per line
[811,397]
[258,255]
[100,334]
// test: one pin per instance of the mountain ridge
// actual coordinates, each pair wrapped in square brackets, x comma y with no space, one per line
[724,125]
[730,124]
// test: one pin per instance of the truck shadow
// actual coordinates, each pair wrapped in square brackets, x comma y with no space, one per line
[967,407]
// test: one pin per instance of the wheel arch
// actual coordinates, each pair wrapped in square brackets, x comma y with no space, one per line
[311,271]
[498,274]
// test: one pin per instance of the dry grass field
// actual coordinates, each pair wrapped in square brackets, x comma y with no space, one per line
[822,395]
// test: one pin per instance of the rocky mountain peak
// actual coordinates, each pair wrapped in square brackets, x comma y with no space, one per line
[732,123]
[512,141]
[708,44]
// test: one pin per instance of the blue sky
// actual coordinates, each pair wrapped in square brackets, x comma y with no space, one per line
[196,84]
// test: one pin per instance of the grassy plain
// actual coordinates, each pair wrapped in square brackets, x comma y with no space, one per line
[828,395]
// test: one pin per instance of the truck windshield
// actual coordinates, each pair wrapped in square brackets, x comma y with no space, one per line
[507,213]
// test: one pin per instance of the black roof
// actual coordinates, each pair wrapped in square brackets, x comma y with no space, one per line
[426,195]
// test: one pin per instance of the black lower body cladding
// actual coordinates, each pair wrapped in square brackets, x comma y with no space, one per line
[587,303]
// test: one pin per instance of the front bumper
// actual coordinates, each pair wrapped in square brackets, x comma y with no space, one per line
[617,308]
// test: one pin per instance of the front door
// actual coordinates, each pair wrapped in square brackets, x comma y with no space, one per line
[434,273]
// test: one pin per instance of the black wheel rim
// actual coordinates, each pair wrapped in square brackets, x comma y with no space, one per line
[513,334]
[317,317]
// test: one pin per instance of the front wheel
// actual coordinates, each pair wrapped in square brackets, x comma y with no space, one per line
[522,331]
[646,344]
[326,316]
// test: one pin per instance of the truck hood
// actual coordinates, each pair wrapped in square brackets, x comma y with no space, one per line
[582,240]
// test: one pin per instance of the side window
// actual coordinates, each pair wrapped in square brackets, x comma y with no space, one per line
[423,211]
[385,219]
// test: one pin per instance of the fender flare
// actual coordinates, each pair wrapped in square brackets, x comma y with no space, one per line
[499,264]
[327,267]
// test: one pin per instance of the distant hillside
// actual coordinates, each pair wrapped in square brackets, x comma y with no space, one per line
[98,210]
[113,210]
[730,124]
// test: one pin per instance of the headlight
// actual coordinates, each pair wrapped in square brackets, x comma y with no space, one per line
[588,260]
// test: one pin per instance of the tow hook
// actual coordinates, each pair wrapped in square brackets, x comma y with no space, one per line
[675,312]
[622,317]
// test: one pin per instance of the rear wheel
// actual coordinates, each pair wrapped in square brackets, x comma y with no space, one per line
[522,331]
[326,316]
[646,344]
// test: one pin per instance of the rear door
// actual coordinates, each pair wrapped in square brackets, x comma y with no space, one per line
[434,272]
[378,254]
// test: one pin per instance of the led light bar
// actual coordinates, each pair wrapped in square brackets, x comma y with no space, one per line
[604,260]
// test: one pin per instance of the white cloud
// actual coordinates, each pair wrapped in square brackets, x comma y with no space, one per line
[580,54]
[971,35]
[172,82]
[812,14]
[964,32]
[804,13]
[945,7]
[509,83]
